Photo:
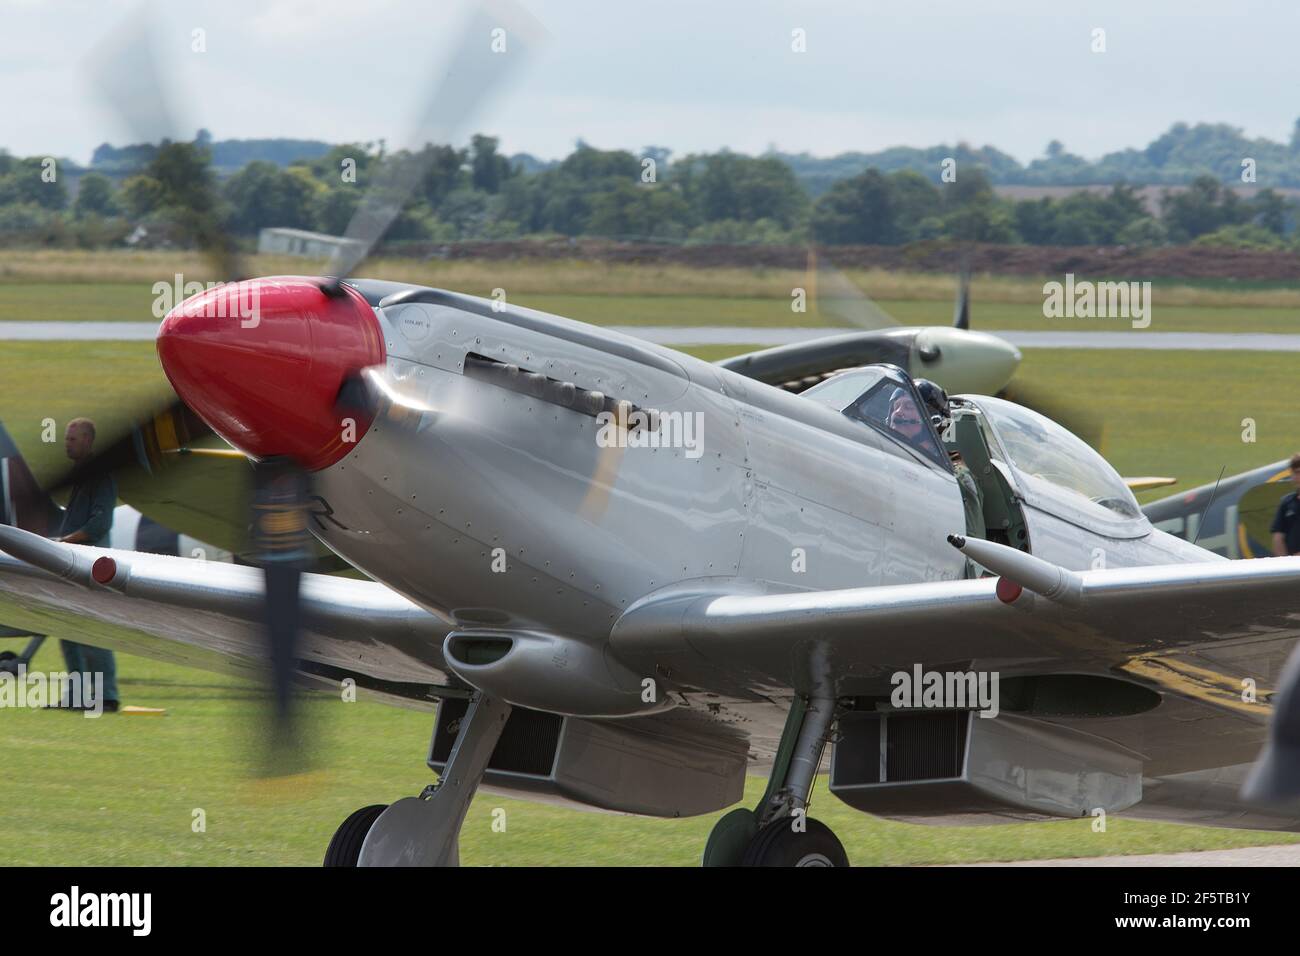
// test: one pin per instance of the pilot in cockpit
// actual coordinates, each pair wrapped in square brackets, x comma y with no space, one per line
[905,420]
[936,403]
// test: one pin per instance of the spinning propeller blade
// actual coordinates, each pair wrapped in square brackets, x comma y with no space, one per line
[495,42]
[497,38]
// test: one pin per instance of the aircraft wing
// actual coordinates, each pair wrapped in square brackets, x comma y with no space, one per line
[208,614]
[1194,630]
[205,496]
[804,364]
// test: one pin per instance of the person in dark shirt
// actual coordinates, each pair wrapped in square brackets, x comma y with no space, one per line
[88,519]
[1286,524]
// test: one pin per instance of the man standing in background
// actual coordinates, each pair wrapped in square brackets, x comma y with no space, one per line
[1286,523]
[88,519]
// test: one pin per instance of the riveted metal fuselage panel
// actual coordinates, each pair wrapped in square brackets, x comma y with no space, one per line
[500,508]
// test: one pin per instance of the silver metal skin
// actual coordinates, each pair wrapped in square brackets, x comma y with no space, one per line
[354,627]
[587,531]
[780,549]
[1051,581]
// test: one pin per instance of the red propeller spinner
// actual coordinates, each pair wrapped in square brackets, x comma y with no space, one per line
[262,362]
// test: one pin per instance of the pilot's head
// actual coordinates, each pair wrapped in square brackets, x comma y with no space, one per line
[79,438]
[904,416]
[1295,469]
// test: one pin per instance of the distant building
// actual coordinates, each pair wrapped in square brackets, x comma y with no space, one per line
[300,242]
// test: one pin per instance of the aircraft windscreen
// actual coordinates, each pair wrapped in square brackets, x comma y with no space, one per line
[841,390]
[1044,451]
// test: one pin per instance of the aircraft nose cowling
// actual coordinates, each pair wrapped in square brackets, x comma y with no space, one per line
[262,362]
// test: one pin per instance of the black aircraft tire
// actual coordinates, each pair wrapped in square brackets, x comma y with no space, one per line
[345,845]
[778,844]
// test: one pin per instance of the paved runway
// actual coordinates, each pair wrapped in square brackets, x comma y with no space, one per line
[1133,339]
[79,331]
[1247,856]
[727,335]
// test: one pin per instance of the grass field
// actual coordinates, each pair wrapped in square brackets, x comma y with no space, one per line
[123,790]
[119,286]
[1177,413]
[587,277]
[133,302]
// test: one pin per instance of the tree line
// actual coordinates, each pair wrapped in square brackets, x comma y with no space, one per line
[475,192]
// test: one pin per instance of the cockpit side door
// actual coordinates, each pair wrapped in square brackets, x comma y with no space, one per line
[997,500]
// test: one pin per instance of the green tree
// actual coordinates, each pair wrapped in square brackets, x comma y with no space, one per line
[1241,236]
[562,198]
[728,185]
[860,210]
[94,197]
[1146,231]
[1202,207]
[488,169]
[1270,210]
[971,186]
[262,194]
[335,208]
[640,210]
[189,195]
[1035,221]
[444,173]
[27,182]
[141,196]
[358,158]
[981,220]
[915,199]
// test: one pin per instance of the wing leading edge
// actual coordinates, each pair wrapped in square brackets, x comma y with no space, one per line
[1209,639]
[208,614]
[1111,619]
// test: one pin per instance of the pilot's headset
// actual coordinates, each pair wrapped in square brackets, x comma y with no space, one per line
[935,400]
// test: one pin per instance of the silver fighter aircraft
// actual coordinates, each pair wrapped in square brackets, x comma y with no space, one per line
[629,578]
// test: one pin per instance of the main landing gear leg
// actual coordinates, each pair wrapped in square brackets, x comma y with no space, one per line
[425,830]
[779,832]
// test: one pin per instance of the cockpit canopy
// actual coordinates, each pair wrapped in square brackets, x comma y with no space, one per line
[1050,460]
[1048,465]
[884,397]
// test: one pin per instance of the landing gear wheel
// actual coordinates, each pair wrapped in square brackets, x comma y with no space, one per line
[730,837]
[345,845]
[777,844]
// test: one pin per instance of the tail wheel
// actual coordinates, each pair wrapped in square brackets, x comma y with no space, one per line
[780,844]
[345,846]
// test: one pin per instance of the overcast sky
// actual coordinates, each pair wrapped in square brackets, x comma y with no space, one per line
[687,74]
